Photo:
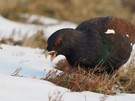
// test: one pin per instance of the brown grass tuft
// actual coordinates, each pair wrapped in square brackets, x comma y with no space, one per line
[78,79]
[36,41]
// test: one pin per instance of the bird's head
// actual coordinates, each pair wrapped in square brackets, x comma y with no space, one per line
[60,42]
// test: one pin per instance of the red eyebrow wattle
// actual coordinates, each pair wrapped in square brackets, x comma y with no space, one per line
[58,41]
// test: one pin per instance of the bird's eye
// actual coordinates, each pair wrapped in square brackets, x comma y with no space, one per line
[57,42]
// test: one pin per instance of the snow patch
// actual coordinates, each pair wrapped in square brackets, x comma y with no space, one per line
[18,31]
[51,29]
[41,19]
[31,61]
[15,30]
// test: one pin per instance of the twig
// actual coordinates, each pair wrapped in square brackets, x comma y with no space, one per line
[16,72]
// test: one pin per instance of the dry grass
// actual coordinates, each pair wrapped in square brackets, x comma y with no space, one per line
[72,10]
[35,41]
[16,72]
[78,79]
[55,96]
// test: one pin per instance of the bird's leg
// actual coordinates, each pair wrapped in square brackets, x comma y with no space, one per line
[76,64]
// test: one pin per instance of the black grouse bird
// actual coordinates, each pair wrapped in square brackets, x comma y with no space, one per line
[103,41]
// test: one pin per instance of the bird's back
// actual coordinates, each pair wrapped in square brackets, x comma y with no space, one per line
[117,38]
[103,24]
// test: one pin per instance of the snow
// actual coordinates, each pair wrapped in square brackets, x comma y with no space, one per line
[28,89]
[41,19]
[24,89]
[31,65]
[50,25]
[51,29]
[16,30]
[131,59]
[32,62]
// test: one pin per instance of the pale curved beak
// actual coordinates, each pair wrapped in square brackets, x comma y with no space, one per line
[51,53]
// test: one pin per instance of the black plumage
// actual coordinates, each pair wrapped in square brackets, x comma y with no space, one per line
[103,41]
